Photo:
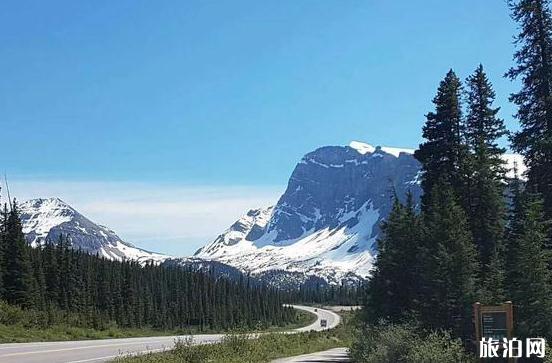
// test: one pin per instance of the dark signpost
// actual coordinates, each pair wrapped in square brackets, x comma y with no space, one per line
[493,321]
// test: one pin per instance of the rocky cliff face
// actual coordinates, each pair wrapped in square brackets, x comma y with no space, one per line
[331,184]
[324,228]
[327,222]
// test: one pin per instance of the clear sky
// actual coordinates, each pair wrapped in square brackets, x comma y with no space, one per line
[134,96]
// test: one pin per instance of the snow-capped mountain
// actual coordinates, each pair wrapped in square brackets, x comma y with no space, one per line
[327,222]
[47,219]
[324,227]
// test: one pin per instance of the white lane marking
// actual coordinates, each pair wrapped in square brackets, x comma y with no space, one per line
[119,355]
[205,338]
[126,341]
[84,342]
[75,348]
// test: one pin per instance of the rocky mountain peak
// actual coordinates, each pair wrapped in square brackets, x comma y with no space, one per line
[46,219]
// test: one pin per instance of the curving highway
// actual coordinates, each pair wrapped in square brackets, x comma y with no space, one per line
[84,351]
[331,318]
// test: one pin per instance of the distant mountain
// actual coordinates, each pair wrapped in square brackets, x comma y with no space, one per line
[46,219]
[327,222]
[323,229]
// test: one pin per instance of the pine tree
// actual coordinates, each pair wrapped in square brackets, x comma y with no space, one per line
[17,277]
[393,286]
[514,227]
[486,205]
[531,283]
[382,287]
[450,264]
[37,293]
[443,154]
[51,274]
[534,101]
[494,279]
[73,287]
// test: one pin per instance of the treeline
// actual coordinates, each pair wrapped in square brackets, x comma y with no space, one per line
[99,293]
[477,235]
[344,294]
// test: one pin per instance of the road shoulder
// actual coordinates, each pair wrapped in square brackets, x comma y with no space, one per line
[336,355]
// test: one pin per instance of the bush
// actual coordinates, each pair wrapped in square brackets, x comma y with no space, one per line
[186,352]
[386,344]
[405,344]
[438,347]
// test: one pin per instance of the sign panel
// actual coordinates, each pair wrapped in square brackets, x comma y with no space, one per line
[494,322]
[494,325]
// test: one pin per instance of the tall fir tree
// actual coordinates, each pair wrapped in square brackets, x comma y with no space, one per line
[444,152]
[534,100]
[18,274]
[486,204]
[531,279]
[450,264]
[393,287]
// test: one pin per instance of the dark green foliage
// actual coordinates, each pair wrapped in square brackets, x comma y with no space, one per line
[450,264]
[534,100]
[100,292]
[473,246]
[493,286]
[486,204]
[18,275]
[407,344]
[531,279]
[350,294]
[443,154]
[393,288]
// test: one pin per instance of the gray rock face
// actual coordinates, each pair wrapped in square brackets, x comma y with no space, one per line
[332,182]
[326,223]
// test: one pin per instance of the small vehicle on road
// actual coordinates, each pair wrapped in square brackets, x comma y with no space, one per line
[323,323]
[315,310]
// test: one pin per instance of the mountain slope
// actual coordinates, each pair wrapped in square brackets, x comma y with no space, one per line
[47,219]
[326,223]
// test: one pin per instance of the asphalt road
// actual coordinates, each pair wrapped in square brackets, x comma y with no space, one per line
[332,318]
[337,355]
[103,350]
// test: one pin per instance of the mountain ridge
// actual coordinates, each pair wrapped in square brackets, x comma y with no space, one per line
[46,219]
[327,222]
[324,227]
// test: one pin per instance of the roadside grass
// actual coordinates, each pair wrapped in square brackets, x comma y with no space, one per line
[22,334]
[22,326]
[244,348]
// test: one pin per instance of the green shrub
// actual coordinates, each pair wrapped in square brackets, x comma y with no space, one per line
[406,344]
[184,351]
[548,356]
[384,344]
[438,347]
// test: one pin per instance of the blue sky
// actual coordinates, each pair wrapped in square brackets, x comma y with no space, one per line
[171,94]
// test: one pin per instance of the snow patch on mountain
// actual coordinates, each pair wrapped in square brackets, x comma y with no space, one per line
[329,253]
[364,148]
[327,222]
[511,161]
[47,219]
